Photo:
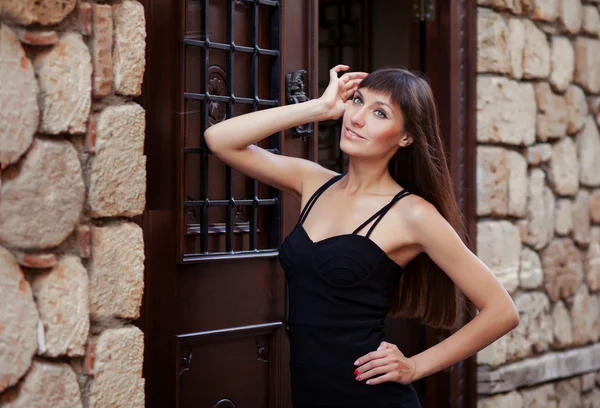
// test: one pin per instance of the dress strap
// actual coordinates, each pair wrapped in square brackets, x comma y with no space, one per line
[379,214]
[313,199]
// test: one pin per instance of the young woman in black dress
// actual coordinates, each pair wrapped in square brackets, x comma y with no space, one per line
[345,269]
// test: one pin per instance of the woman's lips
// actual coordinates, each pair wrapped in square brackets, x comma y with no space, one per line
[352,135]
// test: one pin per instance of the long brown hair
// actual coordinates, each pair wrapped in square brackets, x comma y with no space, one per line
[425,291]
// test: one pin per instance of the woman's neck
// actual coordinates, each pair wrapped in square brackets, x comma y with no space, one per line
[368,178]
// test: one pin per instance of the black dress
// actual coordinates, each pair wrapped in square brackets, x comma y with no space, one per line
[339,293]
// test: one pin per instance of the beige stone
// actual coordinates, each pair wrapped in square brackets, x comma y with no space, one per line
[492,181]
[492,42]
[588,381]
[577,108]
[18,90]
[129,47]
[499,247]
[595,206]
[563,217]
[592,265]
[564,167]
[543,396]
[585,317]
[65,78]
[540,369]
[494,354]
[47,384]
[570,15]
[552,118]
[117,270]
[562,63]
[563,268]
[591,20]
[506,111]
[517,184]
[118,361]
[568,393]
[588,148]
[510,400]
[581,218]
[511,5]
[539,153]
[563,329]
[592,399]
[534,333]
[587,59]
[516,44]
[62,298]
[101,49]
[544,10]
[523,226]
[531,275]
[536,53]
[19,317]
[117,172]
[540,211]
[41,201]
[44,12]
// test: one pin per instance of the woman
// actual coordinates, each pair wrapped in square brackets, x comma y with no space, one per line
[345,268]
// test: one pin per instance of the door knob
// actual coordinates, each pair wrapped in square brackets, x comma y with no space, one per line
[295,93]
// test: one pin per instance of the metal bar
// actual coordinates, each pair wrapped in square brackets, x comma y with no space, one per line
[252,218]
[275,140]
[204,154]
[234,332]
[225,203]
[229,114]
[229,99]
[269,3]
[228,47]
[200,150]
[259,253]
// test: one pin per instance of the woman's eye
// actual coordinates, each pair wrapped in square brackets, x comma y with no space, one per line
[381,114]
[357,100]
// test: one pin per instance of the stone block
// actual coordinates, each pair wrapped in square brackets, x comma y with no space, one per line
[552,118]
[129,47]
[19,317]
[585,317]
[588,149]
[564,168]
[117,171]
[50,169]
[499,247]
[568,393]
[539,153]
[562,63]
[536,52]
[62,298]
[44,12]
[531,275]
[540,211]
[581,218]
[516,45]
[577,108]
[587,60]
[517,184]
[506,111]
[563,268]
[563,217]
[492,42]
[118,361]
[591,20]
[570,15]
[534,333]
[18,89]
[539,397]
[563,328]
[117,270]
[592,265]
[510,400]
[492,181]
[101,49]
[64,75]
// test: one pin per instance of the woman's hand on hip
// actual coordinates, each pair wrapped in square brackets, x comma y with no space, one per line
[387,363]
[339,90]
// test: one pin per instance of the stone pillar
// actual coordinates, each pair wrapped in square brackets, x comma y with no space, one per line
[538,192]
[72,174]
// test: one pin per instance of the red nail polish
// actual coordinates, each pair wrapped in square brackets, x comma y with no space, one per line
[356,371]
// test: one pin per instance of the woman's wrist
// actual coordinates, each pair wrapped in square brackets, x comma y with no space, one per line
[320,109]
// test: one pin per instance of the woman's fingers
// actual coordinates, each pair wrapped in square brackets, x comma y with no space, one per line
[333,72]
[353,75]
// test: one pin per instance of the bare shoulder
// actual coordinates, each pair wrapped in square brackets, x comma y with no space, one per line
[315,178]
[418,217]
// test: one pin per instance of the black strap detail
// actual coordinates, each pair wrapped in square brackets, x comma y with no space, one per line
[313,199]
[380,214]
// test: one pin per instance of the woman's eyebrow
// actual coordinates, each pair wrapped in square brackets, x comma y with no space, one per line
[377,102]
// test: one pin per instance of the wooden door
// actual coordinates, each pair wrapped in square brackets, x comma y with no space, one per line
[214,305]
[213,312]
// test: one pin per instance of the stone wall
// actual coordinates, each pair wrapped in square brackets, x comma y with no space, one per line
[538,193]
[72,174]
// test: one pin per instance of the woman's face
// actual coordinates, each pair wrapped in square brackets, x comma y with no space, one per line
[372,125]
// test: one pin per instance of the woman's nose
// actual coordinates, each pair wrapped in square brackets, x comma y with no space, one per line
[358,118]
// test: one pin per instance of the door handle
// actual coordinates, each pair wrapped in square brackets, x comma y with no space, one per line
[295,93]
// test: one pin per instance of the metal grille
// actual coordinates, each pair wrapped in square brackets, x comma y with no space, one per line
[213,100]
[341,41]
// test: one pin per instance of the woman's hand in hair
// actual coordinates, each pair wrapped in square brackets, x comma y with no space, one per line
[386,364]
[340,90]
